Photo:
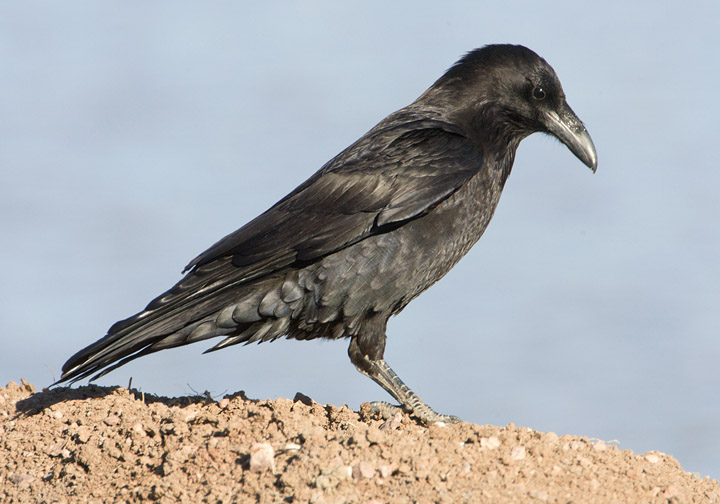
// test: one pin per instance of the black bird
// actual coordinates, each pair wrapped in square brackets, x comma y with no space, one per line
[372,229]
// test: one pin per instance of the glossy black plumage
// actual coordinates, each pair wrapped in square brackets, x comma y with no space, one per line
[372,229]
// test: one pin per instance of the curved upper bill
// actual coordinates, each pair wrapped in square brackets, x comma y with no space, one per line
[569,129]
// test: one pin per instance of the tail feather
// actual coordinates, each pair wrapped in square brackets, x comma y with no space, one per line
[156,332]
[255,312]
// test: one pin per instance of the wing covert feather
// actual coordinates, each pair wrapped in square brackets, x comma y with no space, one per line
[350,198]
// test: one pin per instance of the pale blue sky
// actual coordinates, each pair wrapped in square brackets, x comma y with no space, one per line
[133,136]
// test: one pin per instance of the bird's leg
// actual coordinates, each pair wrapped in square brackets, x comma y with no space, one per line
[409,400]
[382,374]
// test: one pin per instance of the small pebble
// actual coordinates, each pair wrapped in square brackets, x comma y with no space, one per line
[21,480]
[392,423]
[223,403]
[363,469]
[262,457]
[53,414]
[375,435]
[551,437]
[27,386]
[300,397]
[111,420]
[332,477]
[517,453]
[56,449]
[83,434]
[490,443]
[672,491]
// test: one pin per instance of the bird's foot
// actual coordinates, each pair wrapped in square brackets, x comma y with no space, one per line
[385,409]
[422,412]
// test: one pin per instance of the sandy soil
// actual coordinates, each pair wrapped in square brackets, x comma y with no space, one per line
[95,444]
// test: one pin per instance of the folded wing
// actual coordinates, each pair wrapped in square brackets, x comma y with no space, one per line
[395,173]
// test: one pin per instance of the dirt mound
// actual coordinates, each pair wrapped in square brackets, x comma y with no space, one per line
[100,444]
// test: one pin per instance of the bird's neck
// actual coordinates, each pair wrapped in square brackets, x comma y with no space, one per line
[497,137]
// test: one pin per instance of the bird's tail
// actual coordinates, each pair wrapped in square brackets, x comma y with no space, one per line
[192,311]
[142,334]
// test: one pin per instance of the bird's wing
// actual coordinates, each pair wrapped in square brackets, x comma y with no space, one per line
[372,187]
[363,191]
[375,185]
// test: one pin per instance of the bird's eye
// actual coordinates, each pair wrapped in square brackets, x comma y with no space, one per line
[539,93]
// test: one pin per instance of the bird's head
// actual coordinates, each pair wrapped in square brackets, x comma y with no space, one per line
[510,91]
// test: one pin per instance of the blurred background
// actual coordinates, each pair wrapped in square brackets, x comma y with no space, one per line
[133,135]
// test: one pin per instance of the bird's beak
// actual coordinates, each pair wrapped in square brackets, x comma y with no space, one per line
[569,129]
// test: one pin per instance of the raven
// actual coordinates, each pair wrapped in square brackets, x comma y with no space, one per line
[377,225]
